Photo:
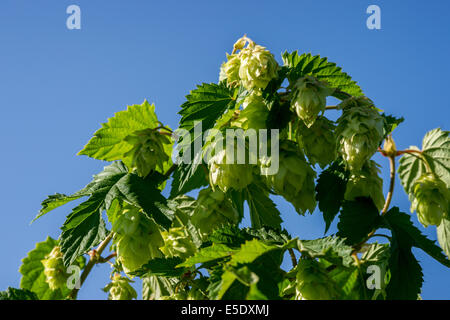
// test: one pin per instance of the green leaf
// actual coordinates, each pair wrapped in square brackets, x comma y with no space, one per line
[83,229]
[400,223]
[108,142]
[263,211]
[357,219]
[334,249]
[229,235]
[349,281]
[322,69]
[443,234]
[214,252]
[390,123]
[157,287]
[54,201]
[250,251]
[436,150]
[330,190]
[17,294]
[165,267]
[188,177]
[32,270]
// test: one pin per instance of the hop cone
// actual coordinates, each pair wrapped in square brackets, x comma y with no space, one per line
[120,289]
[137,239]
[309,99]
[254,115]
[258,66]
[212,211]
[313,282]
[318,141]
[294,179]
[230,70]
[431,200]
[148,151]
[55,272]
[177,243]
[366,183]
[359,132]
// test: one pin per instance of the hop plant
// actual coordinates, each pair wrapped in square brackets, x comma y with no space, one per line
[148,151]
[137,239]
[309,99]
[177,243]
[294,179]
[213,210]
[313,282]
[55,272]
[254,115]
[366,183]
[230,70]
[120,289]
[431,200]
[318,141]
[359,131]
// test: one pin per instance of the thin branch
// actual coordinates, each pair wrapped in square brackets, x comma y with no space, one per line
[293,258]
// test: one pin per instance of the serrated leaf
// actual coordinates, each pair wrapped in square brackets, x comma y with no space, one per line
[157,287]
[52,202]
[188,177]
[263,211]
[331,248]
[165,267]
[214,252]
[390,123]
[108,142]
[330,190]
[357,219]
[400,223]
[443,235]
[17,294]
[322,69]
[229,235]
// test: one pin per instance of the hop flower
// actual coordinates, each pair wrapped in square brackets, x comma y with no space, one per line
[230,70]
[318,141]
[258,66]
[254,115]
[431,200]
[294,179]
[177,243]
[359,131]
[55,272]
[120,289]
[213,210]
[148,151]
[366,183]
[313,282]
[309,99]
[137,239]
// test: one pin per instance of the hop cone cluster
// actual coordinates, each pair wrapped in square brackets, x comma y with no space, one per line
[177,243]
[359,131]
[137,239]
[313,282]
[255,113]
[120,289]
[309,99]
[148,151]
[55,272]
[253,66]
[294,179]
[318,141]
[366,183]
[212,211]
[431,200]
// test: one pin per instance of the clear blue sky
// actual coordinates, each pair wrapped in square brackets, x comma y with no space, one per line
[58,85]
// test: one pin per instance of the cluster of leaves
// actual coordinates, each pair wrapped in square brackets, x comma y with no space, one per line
[194,248]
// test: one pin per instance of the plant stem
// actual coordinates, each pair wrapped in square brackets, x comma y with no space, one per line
[92,262]
[293,258]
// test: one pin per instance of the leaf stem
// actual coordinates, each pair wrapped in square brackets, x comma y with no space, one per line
[293,258]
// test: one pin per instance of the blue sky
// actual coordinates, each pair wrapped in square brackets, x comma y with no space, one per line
[58,85]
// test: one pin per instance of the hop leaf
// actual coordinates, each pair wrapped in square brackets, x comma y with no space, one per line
[313,282]
[55,272]
[318,141]
[120,289]
[359,131]
[177,243]
[431,199]
[309,99]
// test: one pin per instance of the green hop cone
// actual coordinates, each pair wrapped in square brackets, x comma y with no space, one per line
[359,131]
[177,243]
[294,179]
[318,141]
[213,210]
[230,70]
[309,99]
[431,200]
[257,68]
[137,239]
[120,289]
[254,115]
[55,272]
[366,183]
[148,151]
[313,282]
